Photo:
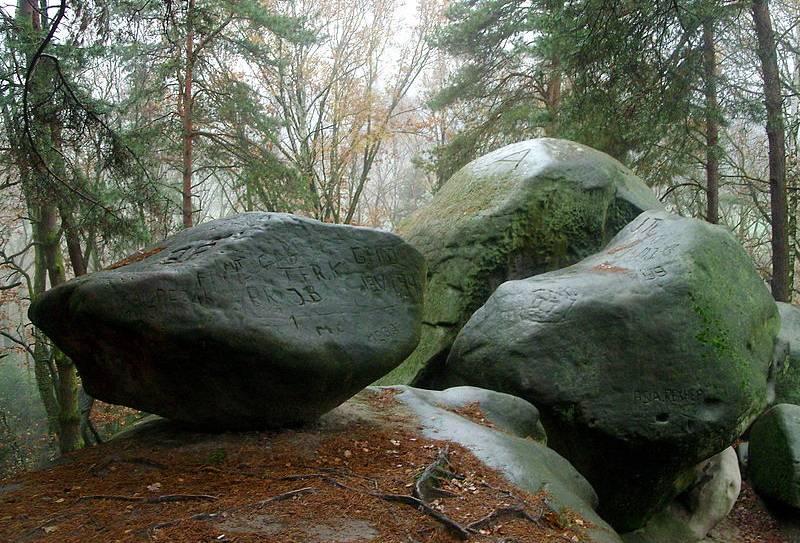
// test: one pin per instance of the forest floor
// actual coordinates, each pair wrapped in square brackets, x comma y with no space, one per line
[325,485]
[331,485]
[752,521]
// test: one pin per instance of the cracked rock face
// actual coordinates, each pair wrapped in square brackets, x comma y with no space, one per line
[524,209]
[644,359]
[258,320]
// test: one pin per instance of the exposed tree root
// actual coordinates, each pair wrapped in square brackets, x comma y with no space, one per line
[152,499]
[218,514]
[426,487]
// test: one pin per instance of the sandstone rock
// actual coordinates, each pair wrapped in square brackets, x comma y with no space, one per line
[525,209]
[643,359]
[691,516]
[526,463]
[774,465]
[505,412]
[787,378]
[259,320]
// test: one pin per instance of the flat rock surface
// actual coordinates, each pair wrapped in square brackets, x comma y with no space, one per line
[643,359]
[524,209]
[258,320]
[325,482]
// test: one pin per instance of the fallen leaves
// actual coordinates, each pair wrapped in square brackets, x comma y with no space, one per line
[365,471]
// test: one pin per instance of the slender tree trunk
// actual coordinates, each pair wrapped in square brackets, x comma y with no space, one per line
[47,235]
[793,172]
[712,122]
[777,150]
[69,435]
[41,350]
[76,258]
[187,102]
[553,89]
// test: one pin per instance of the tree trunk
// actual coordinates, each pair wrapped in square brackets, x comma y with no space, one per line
[41,350]
[553,89]
[76,259]
[186,111]
[47,235]
[712,122]
[777,151]
[69,435]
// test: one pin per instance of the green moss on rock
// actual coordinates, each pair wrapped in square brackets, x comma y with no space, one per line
[525,209]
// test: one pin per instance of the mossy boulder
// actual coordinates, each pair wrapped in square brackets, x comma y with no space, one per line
[644,359]
[787,378]
[257,320]
[525,209]
[774,466]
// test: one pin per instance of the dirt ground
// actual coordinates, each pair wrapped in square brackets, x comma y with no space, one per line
[345,485]
[752,521]
[350,484]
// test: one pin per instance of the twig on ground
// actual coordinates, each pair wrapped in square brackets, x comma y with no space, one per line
[457,529]
[452,525]
[151,499]
[426,487]
[217,514]
[94,469]
[497,514]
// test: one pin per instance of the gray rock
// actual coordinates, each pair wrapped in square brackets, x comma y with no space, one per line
[787,378]
[526,463]
[507,413]
[691,516]
[259,320]
[644,359]
[525,209]
[774,466]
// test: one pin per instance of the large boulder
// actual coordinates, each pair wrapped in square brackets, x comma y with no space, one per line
[787,378]
[525,209]
[693,514]
[774,464]
[643,359]
[258,320]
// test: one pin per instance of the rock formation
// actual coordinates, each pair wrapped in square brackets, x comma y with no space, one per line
[525,209]
[259,320]
[644,359]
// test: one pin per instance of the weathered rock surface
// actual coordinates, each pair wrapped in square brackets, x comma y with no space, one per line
[774,465]
[691,516]
[525,209]
[507,413]
[526,463]
[787,379]
[259,320]
[643,359]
